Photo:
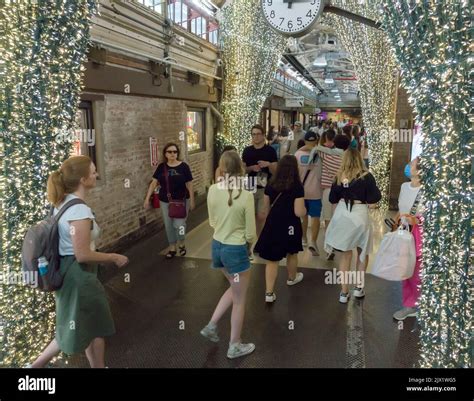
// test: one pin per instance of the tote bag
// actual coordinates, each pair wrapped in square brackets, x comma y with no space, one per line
[396,258]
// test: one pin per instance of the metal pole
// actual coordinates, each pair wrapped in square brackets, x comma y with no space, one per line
[352,16]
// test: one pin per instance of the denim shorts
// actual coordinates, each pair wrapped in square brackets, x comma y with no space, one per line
[234,258]
[313,207]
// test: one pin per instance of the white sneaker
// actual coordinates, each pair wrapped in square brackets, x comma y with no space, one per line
[210,332]
[402,314]
[270,297]
[298,278]
[344,298]
[238,349]
[313,248]
[359,292]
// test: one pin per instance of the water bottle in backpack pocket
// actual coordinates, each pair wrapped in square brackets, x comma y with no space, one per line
[42,266]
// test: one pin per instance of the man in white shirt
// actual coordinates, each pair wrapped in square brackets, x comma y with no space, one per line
[298,134]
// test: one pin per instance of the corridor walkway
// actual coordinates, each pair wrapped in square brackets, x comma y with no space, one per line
[161,306]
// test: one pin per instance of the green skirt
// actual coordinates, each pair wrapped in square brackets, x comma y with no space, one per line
[82,309]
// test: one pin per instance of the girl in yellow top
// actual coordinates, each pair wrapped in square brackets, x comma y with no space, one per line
[232,216]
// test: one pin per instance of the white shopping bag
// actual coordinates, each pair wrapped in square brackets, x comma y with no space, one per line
[396,257]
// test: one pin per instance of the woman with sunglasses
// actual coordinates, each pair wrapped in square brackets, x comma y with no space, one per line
[178,175]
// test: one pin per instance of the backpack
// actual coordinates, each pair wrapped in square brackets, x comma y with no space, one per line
[42,239]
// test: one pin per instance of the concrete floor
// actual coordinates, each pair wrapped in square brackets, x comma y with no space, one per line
[161,308]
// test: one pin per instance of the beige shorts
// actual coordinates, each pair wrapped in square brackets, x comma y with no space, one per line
[327,212]
[258,200]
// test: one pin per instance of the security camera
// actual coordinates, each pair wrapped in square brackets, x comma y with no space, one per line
[219,62]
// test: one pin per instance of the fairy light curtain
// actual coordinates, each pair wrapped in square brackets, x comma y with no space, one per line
[42,48]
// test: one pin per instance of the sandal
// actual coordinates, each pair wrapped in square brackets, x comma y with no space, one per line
[182,250]
[170,254]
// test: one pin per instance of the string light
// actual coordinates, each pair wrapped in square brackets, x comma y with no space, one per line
[251,52]
[42,45]
[376,72]
[431,42]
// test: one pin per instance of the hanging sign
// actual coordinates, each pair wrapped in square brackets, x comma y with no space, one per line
[153,152]
[294,101]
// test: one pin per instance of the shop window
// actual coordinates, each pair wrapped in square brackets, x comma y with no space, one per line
[195,131]
[84,136]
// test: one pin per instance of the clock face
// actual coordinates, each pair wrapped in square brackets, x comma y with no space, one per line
[292,18]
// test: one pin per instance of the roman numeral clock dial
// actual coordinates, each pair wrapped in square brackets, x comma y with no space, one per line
[292,18]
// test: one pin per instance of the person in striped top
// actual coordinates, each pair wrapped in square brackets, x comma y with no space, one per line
[330,166]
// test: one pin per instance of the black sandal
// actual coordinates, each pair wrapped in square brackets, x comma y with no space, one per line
[170,254]
[182,251]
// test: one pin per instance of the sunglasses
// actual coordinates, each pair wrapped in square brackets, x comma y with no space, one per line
[171,151]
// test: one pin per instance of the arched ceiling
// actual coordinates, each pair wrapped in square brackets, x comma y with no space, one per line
[326,61]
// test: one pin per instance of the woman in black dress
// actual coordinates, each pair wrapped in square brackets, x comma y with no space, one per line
[282,234]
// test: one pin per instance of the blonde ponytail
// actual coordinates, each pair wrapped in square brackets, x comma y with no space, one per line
[66,180]
[231,164]
[55,188]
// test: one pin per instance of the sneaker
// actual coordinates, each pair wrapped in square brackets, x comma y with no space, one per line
[313,248]
[238,349]
[330,256]
[359,292]
[344,298]
[402,314]
[298,278]
[210,332]
[270,297]
[305,242]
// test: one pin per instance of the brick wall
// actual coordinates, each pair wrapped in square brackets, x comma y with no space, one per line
[401,151]
[125,124]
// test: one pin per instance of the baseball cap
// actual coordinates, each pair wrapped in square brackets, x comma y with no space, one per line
[311,136]
[298,123]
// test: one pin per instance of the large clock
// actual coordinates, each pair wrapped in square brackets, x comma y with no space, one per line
[292,18]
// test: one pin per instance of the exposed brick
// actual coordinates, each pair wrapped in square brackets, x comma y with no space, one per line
[129,122]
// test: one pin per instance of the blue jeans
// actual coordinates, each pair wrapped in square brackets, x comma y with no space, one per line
[175,228]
